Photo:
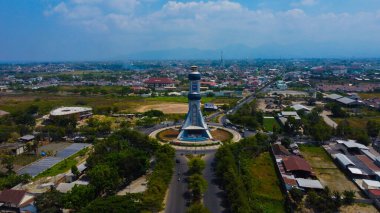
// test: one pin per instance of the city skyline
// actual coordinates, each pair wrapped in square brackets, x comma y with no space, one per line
[152,29]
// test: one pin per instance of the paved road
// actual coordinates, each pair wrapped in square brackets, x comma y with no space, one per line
[177,196]
[213,197]
[176,200]
[328,120]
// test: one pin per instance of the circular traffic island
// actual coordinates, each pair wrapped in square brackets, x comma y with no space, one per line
[219,134]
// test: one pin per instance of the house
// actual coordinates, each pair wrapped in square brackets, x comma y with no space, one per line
[297,166]
[284,115]
[370,184]
[300,107]
[13,148]
[210,107]
[281,85]
[26,138]
[309,183]
[159,83]
[12,200]
[280,150]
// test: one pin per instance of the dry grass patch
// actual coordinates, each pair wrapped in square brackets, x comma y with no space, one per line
[326,170]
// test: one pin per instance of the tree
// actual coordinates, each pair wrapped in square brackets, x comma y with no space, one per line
[296,194]
[79,197]
[349,197]
[196,166]
[373,128]
[75,171]
[114,204]
[7,161]
[286,142]
[197,208]
[337,198]
[198,185]
[337,111]
[104,178]
[49,202]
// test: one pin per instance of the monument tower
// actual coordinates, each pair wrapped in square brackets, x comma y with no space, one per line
[194,128]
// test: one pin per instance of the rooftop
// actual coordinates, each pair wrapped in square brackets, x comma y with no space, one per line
[308,183]
[159,81]
[295,163]
[69,110]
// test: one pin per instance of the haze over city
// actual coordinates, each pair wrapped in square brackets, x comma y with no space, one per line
[155,29]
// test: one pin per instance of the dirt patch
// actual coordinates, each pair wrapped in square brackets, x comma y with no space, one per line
[167,108]
[221,135]
[358,208]
[168,135]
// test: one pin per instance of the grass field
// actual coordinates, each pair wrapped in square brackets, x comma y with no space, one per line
[266,184]
[326,170]
[47,102]
[269,122]
[357,122]
[369,95]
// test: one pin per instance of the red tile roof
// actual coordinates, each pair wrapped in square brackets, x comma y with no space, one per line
[295,163]
[12,196]
[159,81]
[375,192]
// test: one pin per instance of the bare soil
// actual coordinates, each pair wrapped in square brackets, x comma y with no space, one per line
[167,108]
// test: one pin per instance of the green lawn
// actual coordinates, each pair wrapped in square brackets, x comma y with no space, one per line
[266,184]
[62,166]
[357,122]
[269,123]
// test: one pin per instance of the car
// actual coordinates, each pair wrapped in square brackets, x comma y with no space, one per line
[179,179]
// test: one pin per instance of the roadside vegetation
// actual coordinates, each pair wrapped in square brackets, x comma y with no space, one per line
[115,162]
[248,190]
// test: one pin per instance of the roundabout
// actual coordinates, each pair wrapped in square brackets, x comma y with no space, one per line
[168,135]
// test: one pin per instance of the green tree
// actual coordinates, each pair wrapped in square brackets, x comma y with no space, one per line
[373,128]
[7,161]
[75,171]
[79,197]
[196,165]
[198,186]
[349,197]
[49,202]
[104,178]
[296,194]
[197,208]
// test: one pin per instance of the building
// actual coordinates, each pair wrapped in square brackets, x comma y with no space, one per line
[13,148]
[284,115]
[26,138]
[298,166]
[16,201]
[210,107]
[78,112]
[194,128]
[281,85]
[159,83]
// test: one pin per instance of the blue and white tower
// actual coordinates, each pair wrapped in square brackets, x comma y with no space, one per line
[194,128]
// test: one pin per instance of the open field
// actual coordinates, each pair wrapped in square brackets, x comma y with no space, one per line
[269,122]
[369,95]
[356,122]
[172,108]
[358,208]
[266,184]
[47,102]
[327,172]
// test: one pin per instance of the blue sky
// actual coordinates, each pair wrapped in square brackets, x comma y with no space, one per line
[44,30]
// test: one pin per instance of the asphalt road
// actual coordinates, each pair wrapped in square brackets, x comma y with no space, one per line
[176,200]
[213,197]
[177,195]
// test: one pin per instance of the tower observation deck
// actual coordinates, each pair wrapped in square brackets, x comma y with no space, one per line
[194,128]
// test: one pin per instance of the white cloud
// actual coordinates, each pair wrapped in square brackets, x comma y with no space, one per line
[304,3]
[213,24]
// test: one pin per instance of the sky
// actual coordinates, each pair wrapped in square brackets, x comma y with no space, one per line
[64,30]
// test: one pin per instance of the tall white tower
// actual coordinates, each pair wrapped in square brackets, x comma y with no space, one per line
[194,128]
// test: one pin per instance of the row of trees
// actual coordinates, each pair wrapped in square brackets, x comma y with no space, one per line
[248,116]
[197,184]
[233,170]
[114,163]
[321,201]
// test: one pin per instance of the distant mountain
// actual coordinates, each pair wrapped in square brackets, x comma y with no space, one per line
[240,51]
